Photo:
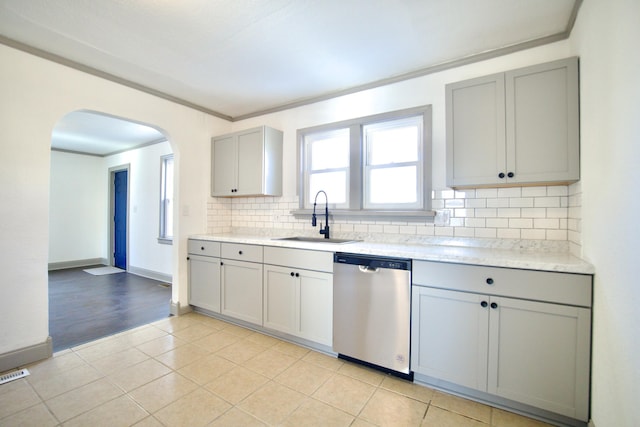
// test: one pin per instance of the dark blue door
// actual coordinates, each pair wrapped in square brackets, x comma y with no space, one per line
[120,219]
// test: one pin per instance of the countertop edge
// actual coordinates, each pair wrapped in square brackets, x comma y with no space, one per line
[527,260]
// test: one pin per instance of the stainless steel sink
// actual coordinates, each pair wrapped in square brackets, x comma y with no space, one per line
[316,239]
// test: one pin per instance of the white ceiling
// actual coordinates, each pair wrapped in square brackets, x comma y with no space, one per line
[97,134]
[241,58]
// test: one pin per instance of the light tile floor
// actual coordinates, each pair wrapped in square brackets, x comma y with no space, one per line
[193,370]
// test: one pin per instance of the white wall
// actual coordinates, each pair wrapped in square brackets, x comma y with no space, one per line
[77,209]
[606,39]
[539,215]
[144,211]
[36,93]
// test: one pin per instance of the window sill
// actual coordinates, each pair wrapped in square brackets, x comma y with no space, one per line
[165,241]
[409,216]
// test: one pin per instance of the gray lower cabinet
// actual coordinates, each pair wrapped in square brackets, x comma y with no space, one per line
[514,128]
[204,274]
[241,282]
[297,300]
[532,352]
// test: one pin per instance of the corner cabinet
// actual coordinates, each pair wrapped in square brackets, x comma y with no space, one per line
[515,128]
[518,335]
[204,274]
[247,163]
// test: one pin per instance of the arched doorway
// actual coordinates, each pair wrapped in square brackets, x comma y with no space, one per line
[105,212]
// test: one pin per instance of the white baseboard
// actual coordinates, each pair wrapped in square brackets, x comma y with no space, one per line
[161,277]
[175,309]
[24,356]
[77,263]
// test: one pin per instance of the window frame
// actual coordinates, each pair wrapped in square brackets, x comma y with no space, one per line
[162,231]
[357,167]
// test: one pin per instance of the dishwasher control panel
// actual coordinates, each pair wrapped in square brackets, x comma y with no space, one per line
[372,261]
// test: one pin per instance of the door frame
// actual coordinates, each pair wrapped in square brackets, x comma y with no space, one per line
[112,232]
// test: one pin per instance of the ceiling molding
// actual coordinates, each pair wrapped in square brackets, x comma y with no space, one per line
[483,56]
[143,145]
[107,76]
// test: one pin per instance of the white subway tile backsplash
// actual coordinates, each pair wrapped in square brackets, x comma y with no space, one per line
[475,203]
[521,202]
[550,223]
[533,234]
[486,213]
[528,213]
[486,193]
[546,202]
[498,203]
[534,191]
[533,212]
[508,233]
[454,203]
[560,190]
[510,192]
[520,223]
[509,213]
[497,223]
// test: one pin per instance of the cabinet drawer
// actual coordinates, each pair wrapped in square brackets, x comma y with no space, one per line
[299,258]
[563,288]
[203,247]
[241,252]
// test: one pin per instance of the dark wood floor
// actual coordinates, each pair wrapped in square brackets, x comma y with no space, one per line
[83,307]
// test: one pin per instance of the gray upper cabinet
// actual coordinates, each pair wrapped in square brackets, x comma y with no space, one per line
[520,127]
[247,163]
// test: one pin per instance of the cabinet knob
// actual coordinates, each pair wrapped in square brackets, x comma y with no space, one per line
[494,305]
[239,252]
[510,174]
[489,281]
[501,175]
[188,258]
[297,274]
[202,248]
[221,263]
[292,274]
[484,304]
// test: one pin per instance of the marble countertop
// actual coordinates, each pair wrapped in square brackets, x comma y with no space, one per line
[562,262]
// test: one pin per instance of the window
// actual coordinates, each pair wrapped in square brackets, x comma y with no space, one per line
[166,199]
[368,166]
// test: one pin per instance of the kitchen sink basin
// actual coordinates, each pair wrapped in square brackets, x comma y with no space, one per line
[315,240]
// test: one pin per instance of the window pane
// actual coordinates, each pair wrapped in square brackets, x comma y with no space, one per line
[333,183]
[393,185]
[166,194]
[330,151]
[394,145]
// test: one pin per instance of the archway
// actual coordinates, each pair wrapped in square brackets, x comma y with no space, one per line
[88,150]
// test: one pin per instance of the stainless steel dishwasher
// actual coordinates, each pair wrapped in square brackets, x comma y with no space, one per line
[372,311]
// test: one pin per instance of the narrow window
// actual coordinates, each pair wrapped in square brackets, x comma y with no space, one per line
[166,199]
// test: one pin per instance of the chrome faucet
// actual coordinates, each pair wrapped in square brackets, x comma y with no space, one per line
[324,230]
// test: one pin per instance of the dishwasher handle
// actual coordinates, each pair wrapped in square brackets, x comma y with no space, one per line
[367,269]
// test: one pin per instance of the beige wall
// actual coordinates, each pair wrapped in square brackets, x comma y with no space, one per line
[606,39]
[35,94]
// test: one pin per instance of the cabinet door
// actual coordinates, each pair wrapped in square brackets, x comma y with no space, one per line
[539,355]
[224,164]
[315,302]
[450,336]
[250,162]
[542,122]
[475,131]
[280,289]
[204,282]
[241,284]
